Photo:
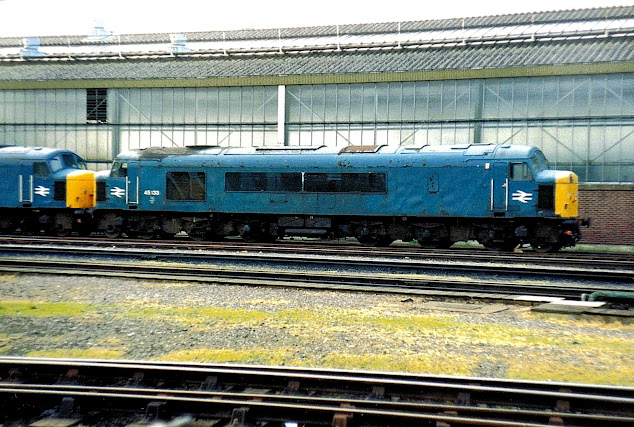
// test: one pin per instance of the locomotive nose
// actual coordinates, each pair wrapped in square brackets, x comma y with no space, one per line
[80,189]
[566,194]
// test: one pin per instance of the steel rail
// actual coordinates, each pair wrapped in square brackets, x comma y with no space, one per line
[397,284]
[610,273]
[380,396]
[391,412]
[608,260]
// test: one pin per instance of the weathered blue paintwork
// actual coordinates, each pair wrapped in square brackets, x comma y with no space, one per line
[432,181]
[23,184]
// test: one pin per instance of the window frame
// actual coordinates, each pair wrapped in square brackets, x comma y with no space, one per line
[192,195]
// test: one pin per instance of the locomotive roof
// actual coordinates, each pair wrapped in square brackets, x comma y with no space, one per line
[33,153]
[489,151]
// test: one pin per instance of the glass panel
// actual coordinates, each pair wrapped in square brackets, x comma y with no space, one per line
[223,105]
[434,100]
[421,111]
[368,106]
[318,104]
[331,103]
[293,104]
[520,172]
[356,100]
[407,101]
[343,103]
[394,104]
[178,106]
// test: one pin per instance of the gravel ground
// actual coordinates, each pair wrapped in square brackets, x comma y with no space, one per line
[88,317]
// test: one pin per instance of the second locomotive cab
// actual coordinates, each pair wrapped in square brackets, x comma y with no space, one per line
[499,195]
[45,189]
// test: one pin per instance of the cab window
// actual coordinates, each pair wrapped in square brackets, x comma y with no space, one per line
[520,172]
[119,170]
[73,161]
[41,170]
[539,162]
[56,164]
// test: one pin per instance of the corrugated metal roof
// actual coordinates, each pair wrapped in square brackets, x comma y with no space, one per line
[589,36]
[609,13]
[361,61]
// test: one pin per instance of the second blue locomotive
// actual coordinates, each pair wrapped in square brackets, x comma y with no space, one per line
[45,190]
[499,195]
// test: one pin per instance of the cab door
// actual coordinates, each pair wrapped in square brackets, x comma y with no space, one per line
[132,185]
[522,190]
[500,189]
[25,185]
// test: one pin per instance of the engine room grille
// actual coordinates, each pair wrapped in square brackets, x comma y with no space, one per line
[101,191]
[546,197]
[60,191]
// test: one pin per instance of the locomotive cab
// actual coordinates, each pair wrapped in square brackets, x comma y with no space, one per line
[558,205]
[44,189]
[538,205]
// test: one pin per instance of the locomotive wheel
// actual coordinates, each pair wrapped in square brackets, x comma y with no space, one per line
[7,224]
[62,231]
[257,233]
[62,225]
[112,231]
[372,240]
[197,235]
[146,234]
[199,231]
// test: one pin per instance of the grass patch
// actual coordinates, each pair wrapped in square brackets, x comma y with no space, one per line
[79,353]
[385,338]
[5,343]
[429,362]
[193,316]
[260,356]
[599,365]
[45,309]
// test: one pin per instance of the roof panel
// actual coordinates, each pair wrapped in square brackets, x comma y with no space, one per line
[524,40]
[332,62]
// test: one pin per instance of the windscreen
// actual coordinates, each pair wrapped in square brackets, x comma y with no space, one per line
[538,161]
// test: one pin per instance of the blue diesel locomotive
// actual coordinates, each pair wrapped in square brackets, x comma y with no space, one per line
[45,189]
[499,195]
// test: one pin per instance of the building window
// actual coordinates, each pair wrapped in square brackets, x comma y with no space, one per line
[96,106]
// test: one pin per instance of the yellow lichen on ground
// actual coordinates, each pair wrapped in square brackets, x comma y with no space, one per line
[391,336]
[44,309]
[79,353]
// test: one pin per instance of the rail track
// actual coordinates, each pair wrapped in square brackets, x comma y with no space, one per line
[613,260]
[98,392]
[599,267]
[407,284]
